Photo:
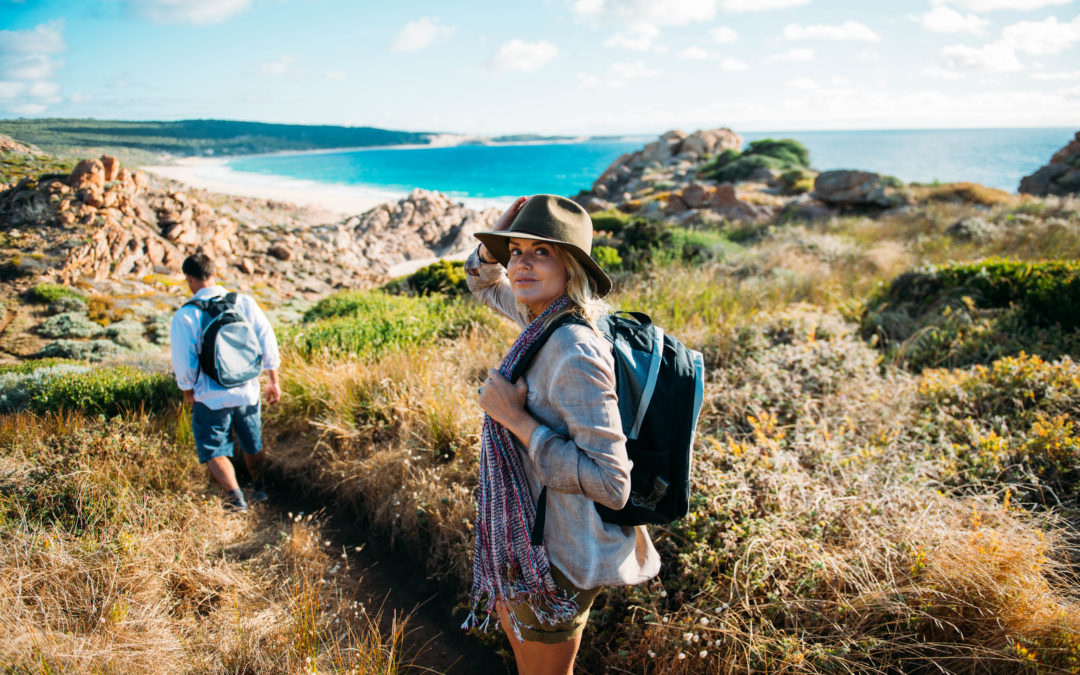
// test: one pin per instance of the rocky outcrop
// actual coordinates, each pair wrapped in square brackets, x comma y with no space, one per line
[1060,177]
[851,188]
[104,222]
[661,180]
[9,144]
[672,157]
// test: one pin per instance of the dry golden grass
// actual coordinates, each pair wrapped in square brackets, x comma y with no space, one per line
[105,567]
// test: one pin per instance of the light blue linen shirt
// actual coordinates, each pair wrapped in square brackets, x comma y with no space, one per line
[185,339]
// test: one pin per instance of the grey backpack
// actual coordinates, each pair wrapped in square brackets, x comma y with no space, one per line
[230,354]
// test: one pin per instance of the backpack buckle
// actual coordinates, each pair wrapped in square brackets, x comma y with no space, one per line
[659,489]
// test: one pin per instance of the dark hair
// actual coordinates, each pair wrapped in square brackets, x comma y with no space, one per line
[198,266]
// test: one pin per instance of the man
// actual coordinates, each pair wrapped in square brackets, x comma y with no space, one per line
[219,412]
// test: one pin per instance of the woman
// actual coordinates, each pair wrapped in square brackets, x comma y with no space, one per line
[557,428]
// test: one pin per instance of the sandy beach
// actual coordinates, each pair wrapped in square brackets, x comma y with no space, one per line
[213,174]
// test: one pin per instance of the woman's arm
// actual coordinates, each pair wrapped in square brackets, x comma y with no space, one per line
[590,459]
[486,278]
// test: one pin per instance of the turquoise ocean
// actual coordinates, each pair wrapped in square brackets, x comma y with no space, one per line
[994,157]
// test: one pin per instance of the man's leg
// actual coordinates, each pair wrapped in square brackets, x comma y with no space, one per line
[247,425]
[222,471]
[214,444]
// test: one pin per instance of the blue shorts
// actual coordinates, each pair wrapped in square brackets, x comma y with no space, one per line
[214,429]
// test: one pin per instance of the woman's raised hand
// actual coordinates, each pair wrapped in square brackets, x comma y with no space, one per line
[508,217]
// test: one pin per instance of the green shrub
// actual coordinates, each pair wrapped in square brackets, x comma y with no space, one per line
[444,277]
[607,257]
[107,391]
[612,221]
[797,181]
[1011,422]
[786,150]
[80,350]
[732,166]
[48,293]
[67,303]
[961,314]
[19,383]
[69,325]
[367,324]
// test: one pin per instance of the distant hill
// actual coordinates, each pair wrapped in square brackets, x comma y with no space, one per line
[194,137]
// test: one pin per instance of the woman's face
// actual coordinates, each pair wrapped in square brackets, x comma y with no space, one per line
[537,274]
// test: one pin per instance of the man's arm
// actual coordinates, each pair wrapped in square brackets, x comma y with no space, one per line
[185,358]
[271,357]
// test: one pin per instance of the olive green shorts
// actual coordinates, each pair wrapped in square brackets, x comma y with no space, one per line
[534,631]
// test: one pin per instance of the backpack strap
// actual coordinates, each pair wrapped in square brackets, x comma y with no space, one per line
[527,357]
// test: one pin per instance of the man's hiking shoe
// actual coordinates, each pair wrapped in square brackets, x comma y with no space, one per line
[259,496]
[234,502]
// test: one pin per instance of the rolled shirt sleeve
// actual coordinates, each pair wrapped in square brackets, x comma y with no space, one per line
[488,284]
[590,458]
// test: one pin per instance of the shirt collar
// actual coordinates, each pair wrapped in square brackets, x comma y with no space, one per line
[210,292]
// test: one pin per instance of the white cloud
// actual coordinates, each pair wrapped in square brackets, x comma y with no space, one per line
[30,67]
[1048,36]
[187,11]
[588,81]
[693,53]
[760,5]
[632,71]
[732,65]
[849,30]
[419,34]
[804,84]
[27,65]
[997,57]
[1058,75]
[28,109]
[44,89]
[45,38]
[943,19]
[277,67]
[523,56]
[638,37]
[10,90]
[655,12]
[80,97]
[335,74]
[724,34]
[798,54]
[992,5]
[868,55]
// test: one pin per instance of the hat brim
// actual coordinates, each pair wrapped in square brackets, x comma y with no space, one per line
[498,246]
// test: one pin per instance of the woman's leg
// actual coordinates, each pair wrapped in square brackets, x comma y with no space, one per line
[538,658]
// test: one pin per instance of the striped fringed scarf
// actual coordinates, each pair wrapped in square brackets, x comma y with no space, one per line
[506,567]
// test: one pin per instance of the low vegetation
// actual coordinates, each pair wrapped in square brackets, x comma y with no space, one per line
[116,559]
[961,314]
[884,480]
[784,155]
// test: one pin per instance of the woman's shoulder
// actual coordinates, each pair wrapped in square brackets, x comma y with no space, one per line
[575,338]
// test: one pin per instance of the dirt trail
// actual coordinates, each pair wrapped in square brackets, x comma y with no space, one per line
[433,642]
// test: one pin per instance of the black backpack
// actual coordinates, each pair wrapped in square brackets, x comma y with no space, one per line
[660,383]
[231,353]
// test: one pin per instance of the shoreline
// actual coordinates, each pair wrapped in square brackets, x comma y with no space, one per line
[214,175]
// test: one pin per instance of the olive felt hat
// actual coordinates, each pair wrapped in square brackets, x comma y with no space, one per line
[553,219]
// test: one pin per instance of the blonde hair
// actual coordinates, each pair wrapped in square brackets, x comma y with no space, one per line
[580,290]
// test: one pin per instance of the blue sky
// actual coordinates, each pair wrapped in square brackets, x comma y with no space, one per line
[548,66]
